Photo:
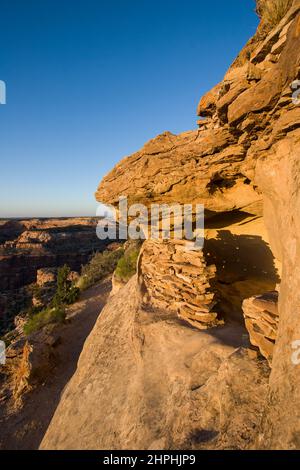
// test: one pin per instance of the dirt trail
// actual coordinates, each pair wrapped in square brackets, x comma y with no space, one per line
[25,429]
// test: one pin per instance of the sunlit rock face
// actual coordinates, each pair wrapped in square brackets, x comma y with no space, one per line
[243,165]
[245,151]
[261,318]
[194,167]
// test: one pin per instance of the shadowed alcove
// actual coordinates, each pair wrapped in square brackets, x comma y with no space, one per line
[244,261]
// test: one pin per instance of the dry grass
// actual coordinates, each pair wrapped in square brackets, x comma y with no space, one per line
[272,11]
[21,375]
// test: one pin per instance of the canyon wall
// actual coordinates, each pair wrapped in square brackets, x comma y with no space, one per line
[30,244]
[243,165]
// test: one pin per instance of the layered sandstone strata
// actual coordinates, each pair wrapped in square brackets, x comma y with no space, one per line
[262,318]
[244,158]
[46,243]
[245,153]
[177,279]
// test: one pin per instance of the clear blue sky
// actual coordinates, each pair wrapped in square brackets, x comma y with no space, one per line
[89,81]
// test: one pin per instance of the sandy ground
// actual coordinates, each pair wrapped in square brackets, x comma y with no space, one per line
[24,429]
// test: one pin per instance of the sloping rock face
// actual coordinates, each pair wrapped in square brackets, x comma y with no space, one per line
[141,384]
[244,160]
[247,149]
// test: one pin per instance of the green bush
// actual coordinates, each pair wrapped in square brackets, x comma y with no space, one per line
[66,292]
[126,266]
[98,267]
[43,318]
[272,11]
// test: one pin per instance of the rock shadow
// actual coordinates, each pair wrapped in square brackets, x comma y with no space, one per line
[245,267]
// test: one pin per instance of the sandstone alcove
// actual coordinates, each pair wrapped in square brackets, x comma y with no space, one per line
[237,244]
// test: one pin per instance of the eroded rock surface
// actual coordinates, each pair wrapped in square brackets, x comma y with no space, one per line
[262,318]
[141,383]
[244,159]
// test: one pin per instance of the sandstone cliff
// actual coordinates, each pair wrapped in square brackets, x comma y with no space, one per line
[149,381]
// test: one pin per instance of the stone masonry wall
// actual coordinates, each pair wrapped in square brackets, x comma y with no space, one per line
[177,278]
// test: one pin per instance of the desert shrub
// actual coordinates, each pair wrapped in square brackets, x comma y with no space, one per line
[43,318]
[66,292]
[272,11]
[100,265]
[126,266]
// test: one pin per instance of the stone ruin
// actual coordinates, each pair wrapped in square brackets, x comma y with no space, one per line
[177,279]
